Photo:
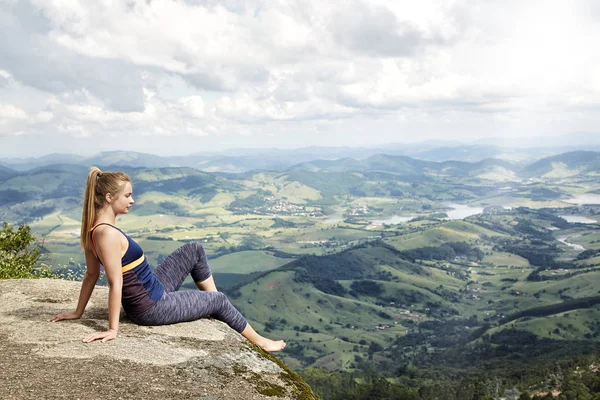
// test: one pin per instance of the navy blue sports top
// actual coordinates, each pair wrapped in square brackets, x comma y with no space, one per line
[141,288]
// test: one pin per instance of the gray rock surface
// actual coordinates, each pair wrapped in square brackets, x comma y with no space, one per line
[203,359]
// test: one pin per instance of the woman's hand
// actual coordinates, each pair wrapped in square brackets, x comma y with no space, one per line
[65,315]
[105,336]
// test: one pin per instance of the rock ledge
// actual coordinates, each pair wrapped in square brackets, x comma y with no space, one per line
[201,360]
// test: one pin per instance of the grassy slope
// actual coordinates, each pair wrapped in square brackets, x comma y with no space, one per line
[452,231]
[276,296]
[245,262]
[342,322]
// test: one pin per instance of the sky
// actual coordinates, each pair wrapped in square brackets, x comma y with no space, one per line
[177,77]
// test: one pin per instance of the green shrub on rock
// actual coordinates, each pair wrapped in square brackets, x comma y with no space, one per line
[18,254]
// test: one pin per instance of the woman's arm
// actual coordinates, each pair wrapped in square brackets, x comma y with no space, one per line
[109,250]
[92,274]
[90,278]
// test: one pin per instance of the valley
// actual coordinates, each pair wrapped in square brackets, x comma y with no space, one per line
[381,264]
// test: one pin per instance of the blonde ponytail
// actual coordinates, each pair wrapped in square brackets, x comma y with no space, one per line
[98,185]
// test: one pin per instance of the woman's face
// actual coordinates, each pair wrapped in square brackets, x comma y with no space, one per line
[122,202]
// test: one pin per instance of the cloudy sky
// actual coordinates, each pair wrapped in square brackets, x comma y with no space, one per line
[177,77]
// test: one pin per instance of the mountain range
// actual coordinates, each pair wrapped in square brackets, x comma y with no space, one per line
[242,160]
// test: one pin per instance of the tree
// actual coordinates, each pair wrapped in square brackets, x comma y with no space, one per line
[575,390]
[18,254]
[251,242]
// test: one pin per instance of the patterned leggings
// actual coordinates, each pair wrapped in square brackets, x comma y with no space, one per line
[188,305]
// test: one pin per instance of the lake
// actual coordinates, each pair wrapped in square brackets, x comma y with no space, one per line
[574,246]
[393,220]
[585,199]
[578,218]
[462,211]
[459,211]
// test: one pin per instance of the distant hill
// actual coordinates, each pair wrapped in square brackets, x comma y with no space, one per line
[235,162]
[561,143]
[404,166]
[66,181]
[24,164]
[48,182]
[460,153]
[566,164]
[6,173]
[269,161]
[243,160]
[387,175]
[125,158]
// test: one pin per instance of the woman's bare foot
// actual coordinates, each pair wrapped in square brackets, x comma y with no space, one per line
[271,345]
[261,341]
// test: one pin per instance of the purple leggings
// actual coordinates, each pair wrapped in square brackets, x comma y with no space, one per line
[188,305]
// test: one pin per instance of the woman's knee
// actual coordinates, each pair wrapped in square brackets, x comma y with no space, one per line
[201,270]
[229,314]
[221,298]
[199,250]
[194,247]
[222,303]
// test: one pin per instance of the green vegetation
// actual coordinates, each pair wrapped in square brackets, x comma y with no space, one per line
[447,251]
[19,255]
[246,262]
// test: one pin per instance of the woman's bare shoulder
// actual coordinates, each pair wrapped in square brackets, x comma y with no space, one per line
[106,233]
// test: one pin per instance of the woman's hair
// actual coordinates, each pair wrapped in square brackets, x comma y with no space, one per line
[98,185]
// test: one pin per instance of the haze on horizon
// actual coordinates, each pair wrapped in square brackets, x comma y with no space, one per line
[179,77]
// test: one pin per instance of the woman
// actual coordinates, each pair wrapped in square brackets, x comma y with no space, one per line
[149,298]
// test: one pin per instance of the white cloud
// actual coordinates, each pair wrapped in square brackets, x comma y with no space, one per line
[10,112]
[222,68]
[44,116]
[192,106]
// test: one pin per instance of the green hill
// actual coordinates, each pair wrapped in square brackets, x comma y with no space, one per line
[446,232]
[6,173]
[369,293]
[571,163]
